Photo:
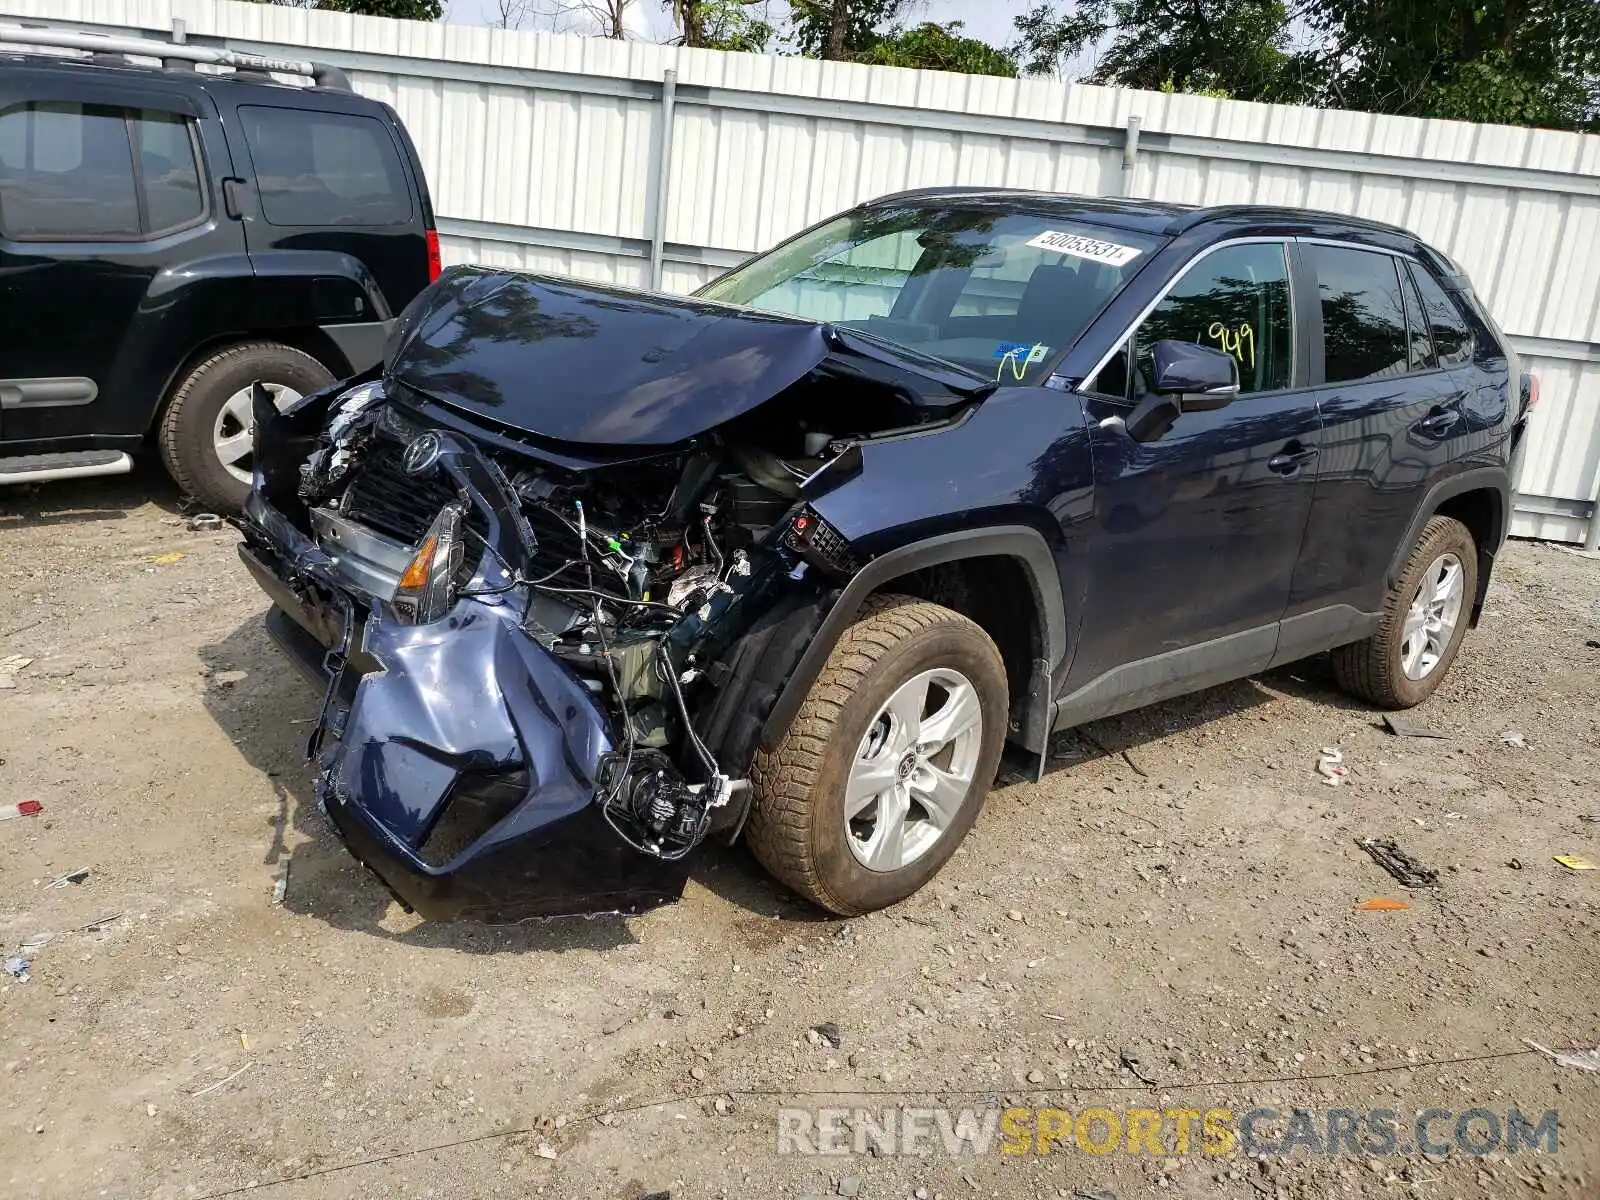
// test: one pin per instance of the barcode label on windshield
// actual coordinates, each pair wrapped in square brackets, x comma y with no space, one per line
[1079,246]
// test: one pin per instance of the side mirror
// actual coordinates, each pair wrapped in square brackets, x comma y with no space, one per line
[1201,377]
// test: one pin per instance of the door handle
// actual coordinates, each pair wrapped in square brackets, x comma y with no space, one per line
[1291,458]
[1438,422]
[232,193]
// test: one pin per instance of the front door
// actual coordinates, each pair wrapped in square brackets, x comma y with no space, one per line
[101,190]
[1196,532]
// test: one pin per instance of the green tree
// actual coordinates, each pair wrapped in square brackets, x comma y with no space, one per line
[1524,62]
[721,25]
[839,29]
[403,10]
[1240,48]
[932,47]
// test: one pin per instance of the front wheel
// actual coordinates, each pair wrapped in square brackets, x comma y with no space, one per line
[205,431]
[888,761]
[1424,620]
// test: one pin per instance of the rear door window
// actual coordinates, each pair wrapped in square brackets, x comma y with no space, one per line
[74,172]
[1363,314]
[1452,340]
[324,168]
[66,173]
[1422,357]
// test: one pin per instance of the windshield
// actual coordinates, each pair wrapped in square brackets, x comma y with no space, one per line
[994,292]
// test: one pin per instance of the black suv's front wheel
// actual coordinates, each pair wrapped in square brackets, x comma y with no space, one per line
[205,431]
[888,761]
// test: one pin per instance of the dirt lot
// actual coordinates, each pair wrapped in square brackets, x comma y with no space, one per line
[1179,892]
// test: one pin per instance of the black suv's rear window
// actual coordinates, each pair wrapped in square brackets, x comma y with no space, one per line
[322,168]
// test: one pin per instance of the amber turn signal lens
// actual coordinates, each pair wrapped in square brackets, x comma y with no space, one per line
[416,573]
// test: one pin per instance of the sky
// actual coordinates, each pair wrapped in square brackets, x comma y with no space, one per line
[986,19]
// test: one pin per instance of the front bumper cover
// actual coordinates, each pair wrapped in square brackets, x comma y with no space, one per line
[419,720]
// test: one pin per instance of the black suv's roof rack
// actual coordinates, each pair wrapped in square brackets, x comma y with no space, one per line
[24,37]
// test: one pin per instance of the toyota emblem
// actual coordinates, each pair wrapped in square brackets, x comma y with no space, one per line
[421,455]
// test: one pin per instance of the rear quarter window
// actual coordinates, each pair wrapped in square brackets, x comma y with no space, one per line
[1452,339]
[323,168]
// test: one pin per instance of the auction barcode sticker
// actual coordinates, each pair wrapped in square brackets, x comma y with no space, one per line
[1078,246]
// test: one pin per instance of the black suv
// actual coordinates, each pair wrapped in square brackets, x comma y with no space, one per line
[169,238]
[591,575]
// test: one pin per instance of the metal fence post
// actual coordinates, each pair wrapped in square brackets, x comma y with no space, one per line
[1130,155]
[658,236]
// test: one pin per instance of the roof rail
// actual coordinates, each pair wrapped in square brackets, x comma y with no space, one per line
[19,36]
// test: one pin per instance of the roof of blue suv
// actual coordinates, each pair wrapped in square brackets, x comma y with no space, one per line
[1146,216]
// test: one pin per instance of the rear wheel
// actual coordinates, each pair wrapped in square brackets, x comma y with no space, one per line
[1424,620]
[888,761]
[205,431]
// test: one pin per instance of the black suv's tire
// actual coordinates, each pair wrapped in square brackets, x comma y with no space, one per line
[798,828]
[194,417]
[1375,669]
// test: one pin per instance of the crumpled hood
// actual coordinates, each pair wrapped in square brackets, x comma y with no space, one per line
[578,362]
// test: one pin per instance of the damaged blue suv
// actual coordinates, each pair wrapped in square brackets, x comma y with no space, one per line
[592,575]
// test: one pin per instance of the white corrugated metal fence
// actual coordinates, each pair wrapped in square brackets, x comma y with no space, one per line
[641,164]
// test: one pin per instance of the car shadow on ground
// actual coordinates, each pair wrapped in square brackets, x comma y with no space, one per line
[267,709]
[82,501]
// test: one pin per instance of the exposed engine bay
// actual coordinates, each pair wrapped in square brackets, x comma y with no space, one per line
[639,570]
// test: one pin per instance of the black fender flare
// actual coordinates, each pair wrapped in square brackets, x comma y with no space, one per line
[1020,542]
[1474,479]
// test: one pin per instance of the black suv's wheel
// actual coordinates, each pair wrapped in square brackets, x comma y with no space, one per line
[887,762]
[1424,621]
[205,432]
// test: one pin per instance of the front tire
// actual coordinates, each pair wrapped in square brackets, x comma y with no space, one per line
[205,431]
[888,761]
[1424,620]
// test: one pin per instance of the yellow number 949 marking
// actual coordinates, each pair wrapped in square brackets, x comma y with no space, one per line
[1240,342]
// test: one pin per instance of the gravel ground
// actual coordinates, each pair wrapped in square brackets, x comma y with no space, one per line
[1168,920]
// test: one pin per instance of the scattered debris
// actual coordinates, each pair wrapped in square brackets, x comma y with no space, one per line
[37,942]
[280,888]
[1514,739]
[149,1110]
[94,924]
[1409,871]
[244,1040]
[27,808]
[545,1150]
[1130,1060]
[221,1082]
[1052,1016]
[1328,766]
[1583,1060]
[1382,904]
[1592,818]
[17,967]
[827,1032]
[9,667]
[1401,727]
[167,559]
[1593,643]
[77,876]
[1094,1194]
[1514,863]
[1576,862]
[205,522]
[850,1185]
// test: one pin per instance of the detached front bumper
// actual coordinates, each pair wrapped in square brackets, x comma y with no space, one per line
[458,759]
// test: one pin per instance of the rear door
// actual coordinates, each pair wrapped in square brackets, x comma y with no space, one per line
[103,186]
[329,175]
[1196,532]
[1391,413]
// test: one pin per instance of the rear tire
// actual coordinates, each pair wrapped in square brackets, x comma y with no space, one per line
[903,677]
[196,431]
[1422,627]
